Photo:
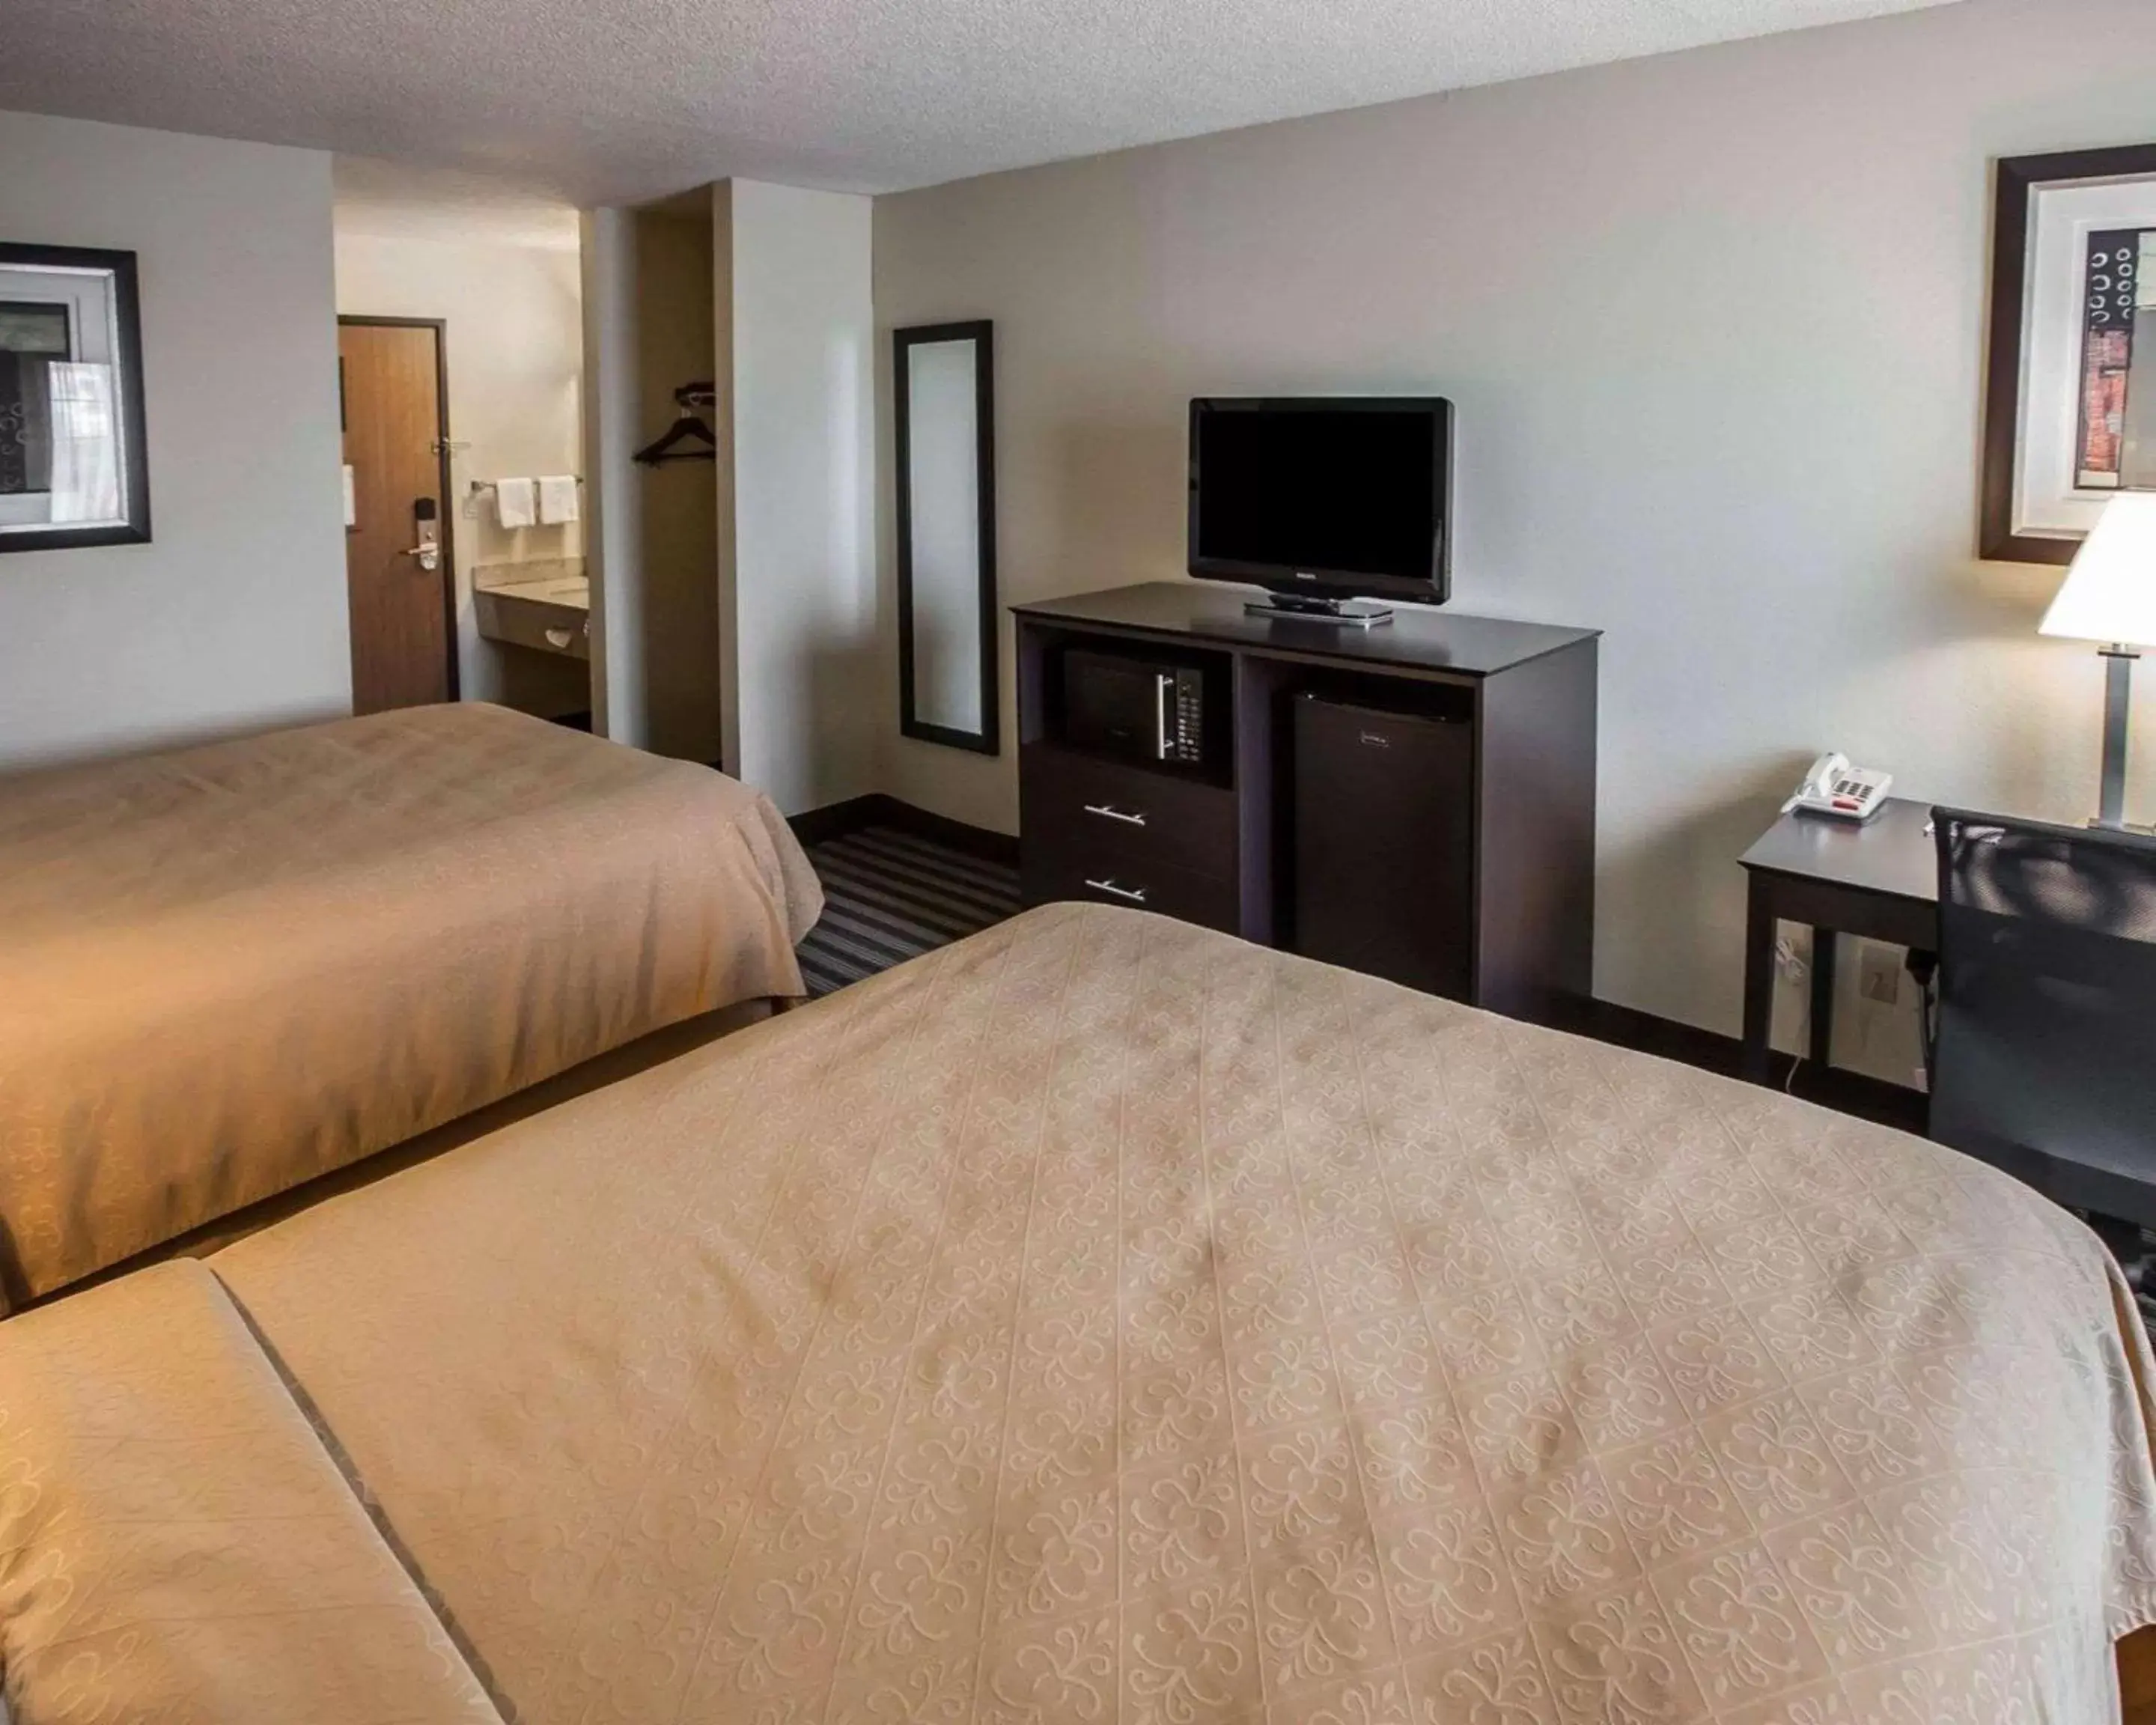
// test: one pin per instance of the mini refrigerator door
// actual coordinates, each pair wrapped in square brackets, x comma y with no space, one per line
[1384,843]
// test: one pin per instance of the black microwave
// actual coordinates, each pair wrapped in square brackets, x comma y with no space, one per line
[1136,708]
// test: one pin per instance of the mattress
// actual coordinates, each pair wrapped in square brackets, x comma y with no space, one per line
[1105,1320]
[228,969]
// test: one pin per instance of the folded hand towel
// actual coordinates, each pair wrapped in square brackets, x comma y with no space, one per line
[513,502]
[557,498]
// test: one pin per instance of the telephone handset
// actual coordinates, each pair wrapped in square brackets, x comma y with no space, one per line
[1834,787]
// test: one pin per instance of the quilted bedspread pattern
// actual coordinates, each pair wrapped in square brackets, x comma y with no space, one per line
[1103,1320]
[176,1545]
[227,969]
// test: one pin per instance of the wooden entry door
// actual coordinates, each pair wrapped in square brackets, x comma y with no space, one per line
[395,442]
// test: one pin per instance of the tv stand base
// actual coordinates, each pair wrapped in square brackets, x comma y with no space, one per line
[1355,613]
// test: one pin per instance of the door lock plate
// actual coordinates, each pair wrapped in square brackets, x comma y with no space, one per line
[427,527]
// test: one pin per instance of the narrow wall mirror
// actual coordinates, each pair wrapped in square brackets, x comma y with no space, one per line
[72,470]
[943,388]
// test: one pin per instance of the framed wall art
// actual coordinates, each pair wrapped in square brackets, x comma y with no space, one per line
[2070,406]
[73,468]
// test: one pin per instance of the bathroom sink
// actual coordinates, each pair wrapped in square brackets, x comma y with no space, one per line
[545,606]
[574,591]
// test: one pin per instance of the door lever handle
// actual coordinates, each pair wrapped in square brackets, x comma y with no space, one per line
[425,514]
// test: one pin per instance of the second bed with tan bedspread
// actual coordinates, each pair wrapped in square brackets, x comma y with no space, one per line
[1103,1320]
[229,968]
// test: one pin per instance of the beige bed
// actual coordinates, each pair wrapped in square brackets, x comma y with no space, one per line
[225,970]
[1103,1320]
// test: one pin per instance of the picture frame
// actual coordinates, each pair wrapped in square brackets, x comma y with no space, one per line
[2070,390]
[73,454]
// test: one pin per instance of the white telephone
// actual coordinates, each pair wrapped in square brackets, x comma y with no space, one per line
[1834,787]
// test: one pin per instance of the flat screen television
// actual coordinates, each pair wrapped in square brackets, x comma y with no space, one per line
[1324,501]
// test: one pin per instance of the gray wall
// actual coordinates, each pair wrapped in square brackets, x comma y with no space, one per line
[1714,323]
[234,616]
[796,557]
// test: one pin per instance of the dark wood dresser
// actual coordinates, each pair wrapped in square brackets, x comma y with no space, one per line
[1416,799]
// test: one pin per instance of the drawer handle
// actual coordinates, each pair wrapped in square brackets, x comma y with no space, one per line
[1108,811]
[1134,895]
[559,637]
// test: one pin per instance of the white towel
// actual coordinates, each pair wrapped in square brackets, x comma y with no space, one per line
[557,498]
[513,505]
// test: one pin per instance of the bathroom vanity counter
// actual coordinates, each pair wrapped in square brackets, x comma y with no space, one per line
[543,605]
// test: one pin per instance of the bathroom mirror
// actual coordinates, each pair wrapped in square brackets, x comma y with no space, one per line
[73,470]
[941,379]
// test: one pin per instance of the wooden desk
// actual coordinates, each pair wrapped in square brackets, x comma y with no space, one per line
[1879,881]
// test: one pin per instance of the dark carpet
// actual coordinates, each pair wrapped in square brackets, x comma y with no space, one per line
[889,896]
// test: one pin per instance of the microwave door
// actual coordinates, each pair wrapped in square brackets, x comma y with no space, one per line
[1119,710]
[1110,705]
[1143,712]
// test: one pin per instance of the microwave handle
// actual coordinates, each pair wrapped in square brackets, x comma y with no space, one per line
[1163,682]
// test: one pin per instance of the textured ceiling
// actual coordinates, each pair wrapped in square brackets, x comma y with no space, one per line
[618,100]
[396,200]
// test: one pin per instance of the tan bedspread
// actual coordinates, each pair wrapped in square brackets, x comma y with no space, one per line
[1104,1320]
[225,970]
[175,1544]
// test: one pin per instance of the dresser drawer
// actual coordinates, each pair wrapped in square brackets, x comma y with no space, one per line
[1105,876]
[1070,801]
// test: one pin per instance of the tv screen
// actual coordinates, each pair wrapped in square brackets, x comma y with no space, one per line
[1335,497]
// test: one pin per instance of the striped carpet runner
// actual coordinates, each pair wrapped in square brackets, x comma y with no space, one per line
[889,896]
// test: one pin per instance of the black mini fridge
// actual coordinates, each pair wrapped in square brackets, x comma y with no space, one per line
[1384,843]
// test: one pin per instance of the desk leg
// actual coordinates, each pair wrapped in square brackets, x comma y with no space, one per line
[1758,981]
[1824,944]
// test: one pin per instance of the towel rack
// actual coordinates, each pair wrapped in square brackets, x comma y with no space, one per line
[474,488]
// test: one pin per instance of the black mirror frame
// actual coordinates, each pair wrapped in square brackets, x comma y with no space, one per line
[989,740]
[126,315]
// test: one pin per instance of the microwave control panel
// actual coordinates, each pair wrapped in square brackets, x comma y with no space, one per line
[1182,737]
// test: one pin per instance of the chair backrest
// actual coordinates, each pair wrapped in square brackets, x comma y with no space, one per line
[2045,1059]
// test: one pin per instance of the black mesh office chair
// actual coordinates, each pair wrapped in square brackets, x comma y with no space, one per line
[2044,1058]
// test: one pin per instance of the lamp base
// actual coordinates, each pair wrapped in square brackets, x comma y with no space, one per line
[2117,694]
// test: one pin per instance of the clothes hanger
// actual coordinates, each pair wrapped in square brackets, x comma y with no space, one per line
[689,427]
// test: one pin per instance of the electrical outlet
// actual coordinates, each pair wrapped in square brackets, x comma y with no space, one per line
[1880,977]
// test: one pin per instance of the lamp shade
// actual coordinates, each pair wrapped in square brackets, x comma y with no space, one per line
[2109,592]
